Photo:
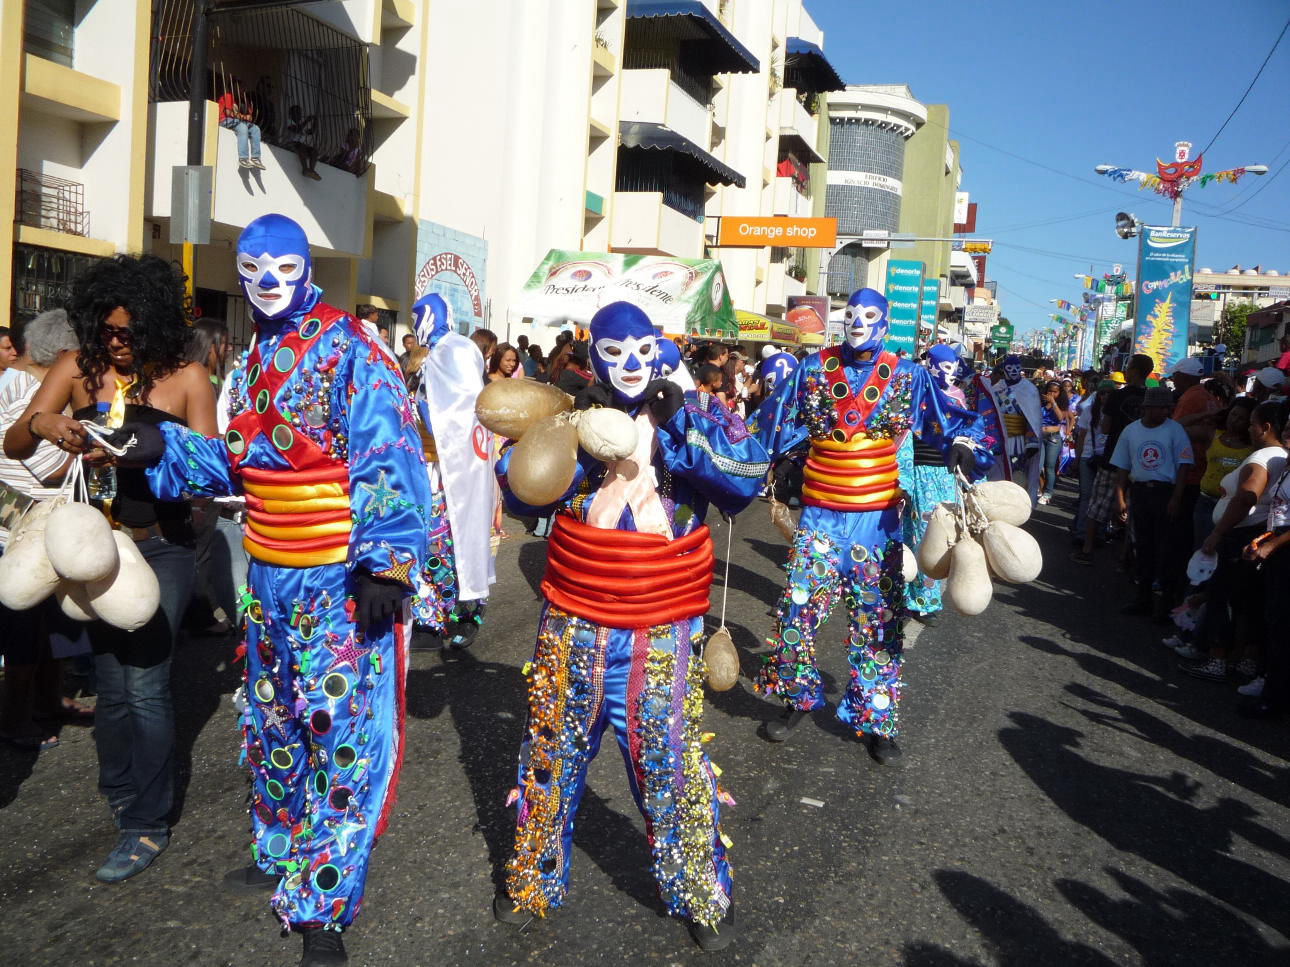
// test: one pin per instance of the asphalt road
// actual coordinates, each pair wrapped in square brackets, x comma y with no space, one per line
[1068,798]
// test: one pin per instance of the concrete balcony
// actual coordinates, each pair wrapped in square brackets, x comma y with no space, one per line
[332,211]
[49,88]
[643,225]
[651,95]
[794,122]
[789,201]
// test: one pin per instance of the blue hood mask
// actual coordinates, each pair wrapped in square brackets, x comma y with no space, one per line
[274,267]
[866,321]
[1011,369]
[668,360]
[624,350]
[945,365]
[431,319]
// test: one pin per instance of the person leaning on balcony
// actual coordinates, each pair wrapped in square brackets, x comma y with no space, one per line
[235,114]
[302,132]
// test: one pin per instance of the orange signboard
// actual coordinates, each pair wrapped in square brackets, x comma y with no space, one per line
[778,231]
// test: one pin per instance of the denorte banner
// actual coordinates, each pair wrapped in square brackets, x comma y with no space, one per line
[1163,319]
[904,294]
[927,313]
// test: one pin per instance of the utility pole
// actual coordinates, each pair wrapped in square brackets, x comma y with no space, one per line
[197,71]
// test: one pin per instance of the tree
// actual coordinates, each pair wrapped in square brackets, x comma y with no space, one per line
[1230,329]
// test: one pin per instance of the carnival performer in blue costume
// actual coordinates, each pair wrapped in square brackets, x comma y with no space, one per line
[626,586]
[852,404]
[1018,404]
[454,583]
[323,444]
[926,482]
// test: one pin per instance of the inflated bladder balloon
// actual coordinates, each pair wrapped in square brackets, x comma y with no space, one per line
[721,661]
[968,586]
[938,540]
[1012,554]
[544,461]
[78,540]
[26,575]
[129,596]
[1003,500]
[607,434]
[510,407]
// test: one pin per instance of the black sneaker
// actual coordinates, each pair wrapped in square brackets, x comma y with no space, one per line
[323,948]
[777,730]
[1212,670]
[715,938]
[427,641]
[884,750]
[247,879]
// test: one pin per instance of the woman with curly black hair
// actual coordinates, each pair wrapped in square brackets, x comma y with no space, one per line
[129,318]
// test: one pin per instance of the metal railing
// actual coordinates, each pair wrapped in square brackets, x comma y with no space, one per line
[57,204]
[42,279]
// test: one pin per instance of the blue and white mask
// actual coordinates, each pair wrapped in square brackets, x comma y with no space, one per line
[431,319]
[668,360]
[1012,369]
[944,363]
[623,350]
[866,320]
[274,266]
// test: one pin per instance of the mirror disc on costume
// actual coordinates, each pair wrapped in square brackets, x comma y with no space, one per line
[253,375]
[869,597]
[840,391]
[235,443]
[256,612]
[867,672]
[831,364]
[277,845]
[791,636]
[315,415]
[839,436]
[263,812]
[345,756]
[339,798]
[283,436]
[880,700]
[851,418]
[327,877]
[264,690]
[282,759]
[820,569]
[820,546]
[883,658]
[871,394]
[274,789]
[262,401]
[255,755]
[884,583]
[311,327]
[800,596]
[884,371]
[320,722]
[284,359]
[307,626]
[335,685]
[859,554]
[321,783]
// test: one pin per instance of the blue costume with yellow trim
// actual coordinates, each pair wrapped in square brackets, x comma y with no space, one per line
[852,404]
[626,587]
[323,444]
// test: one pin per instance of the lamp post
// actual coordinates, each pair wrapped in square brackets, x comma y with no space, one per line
[1174,178]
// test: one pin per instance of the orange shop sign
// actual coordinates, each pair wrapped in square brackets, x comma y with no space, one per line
[778,231]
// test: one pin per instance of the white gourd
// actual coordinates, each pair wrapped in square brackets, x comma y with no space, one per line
[74,599]
[1003,500]
[968,587]
[908,564]
[130,596]
[26,575]
[721,661]
[940,537]
[607,434]
[1013,554]
[78,540]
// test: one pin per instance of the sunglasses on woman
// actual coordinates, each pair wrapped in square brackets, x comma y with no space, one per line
[121,334]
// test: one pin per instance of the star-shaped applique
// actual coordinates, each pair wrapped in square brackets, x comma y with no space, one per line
[381,496]
[347,653]
[398,570]
[274,719]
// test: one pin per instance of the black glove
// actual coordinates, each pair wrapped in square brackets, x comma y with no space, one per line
[961,457]
[375,599]
[593,394]
[664,398]
[143,443]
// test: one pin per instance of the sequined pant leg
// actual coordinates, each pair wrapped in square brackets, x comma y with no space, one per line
[790,671]
[324,739]
[436,596]
[654,699]
[875,592]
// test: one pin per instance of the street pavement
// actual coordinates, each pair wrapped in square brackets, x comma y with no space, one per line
[1067,798]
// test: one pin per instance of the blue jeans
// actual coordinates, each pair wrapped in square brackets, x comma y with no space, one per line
[1086,474]
[228,566]
[1052,455]
[134,721]
[248,137]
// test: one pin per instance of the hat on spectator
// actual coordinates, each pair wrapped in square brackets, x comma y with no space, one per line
[1107,384]
[1158,396]
[1271,377]
[1188,367]
[1117,378]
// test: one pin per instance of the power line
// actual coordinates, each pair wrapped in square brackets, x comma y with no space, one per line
[1257,75]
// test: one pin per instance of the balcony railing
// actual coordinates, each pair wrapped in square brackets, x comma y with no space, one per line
[57,204]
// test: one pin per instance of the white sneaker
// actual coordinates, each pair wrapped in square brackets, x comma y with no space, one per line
[1174,642]
[1253,689]
[1044,499]
[1188,653]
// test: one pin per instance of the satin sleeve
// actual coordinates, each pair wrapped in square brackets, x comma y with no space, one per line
[778,424]
[389,490]
[715,453]
[939,421]
[192,466]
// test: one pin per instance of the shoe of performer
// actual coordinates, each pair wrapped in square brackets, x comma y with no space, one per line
[323,948]
[1190,653]
[927,618]
[132,855]
[427,641]
[718,938]
[1173,642]
[885,751]
[1252,688]
[250,879]
[505,911]
[466,628]
[1045,499]
[1213,670]
[777,730]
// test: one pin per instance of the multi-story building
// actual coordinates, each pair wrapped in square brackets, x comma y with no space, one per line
[1212,292]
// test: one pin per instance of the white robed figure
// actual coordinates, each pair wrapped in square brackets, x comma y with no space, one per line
[1021,415]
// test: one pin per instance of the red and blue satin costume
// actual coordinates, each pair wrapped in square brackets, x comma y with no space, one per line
[324,446]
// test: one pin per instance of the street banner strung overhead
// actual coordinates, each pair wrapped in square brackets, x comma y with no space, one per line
[683,296]
[1165,257]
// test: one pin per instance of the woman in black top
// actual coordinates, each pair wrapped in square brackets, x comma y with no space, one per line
[132,327]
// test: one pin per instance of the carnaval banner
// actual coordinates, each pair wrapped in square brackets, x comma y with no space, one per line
[683,296]
[904,294]
[1165,257]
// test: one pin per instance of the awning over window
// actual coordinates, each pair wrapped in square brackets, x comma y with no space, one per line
[790,140]
[693,21]
[807,69]
[648,136]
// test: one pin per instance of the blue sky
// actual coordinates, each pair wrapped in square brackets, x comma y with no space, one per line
[1070,86]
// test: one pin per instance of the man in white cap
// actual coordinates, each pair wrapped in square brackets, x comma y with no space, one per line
[1268,384]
